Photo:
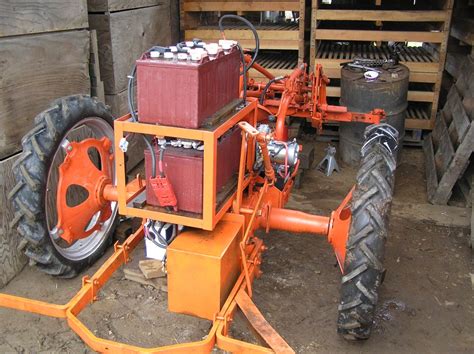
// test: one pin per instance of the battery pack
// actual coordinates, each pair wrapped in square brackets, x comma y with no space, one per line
[184,171]
[186,93]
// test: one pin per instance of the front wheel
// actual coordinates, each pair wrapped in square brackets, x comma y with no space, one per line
[38,198]
[370,207]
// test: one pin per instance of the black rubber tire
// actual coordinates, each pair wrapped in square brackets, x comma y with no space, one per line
[363,266]
[31,170]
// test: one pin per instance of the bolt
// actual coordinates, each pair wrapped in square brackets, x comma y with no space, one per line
[69,148]
[60,231]
[263,248]
[111,150]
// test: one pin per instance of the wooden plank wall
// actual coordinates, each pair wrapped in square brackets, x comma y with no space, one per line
[125,29]
[123,36]
[36,69]
[11,260]
[21,17]
[44,54]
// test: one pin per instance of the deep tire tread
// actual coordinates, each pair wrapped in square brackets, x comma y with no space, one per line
[31,170]
[363,267]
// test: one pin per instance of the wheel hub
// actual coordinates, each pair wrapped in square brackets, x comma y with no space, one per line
[79,220]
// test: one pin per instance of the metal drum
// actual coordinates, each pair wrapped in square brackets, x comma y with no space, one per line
[362,94]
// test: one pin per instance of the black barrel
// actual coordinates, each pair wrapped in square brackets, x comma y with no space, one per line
[388,91]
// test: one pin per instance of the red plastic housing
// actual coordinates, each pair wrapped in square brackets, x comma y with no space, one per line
[184,170]
[184,94]
[163,191]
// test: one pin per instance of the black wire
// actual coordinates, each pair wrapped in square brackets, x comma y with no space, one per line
[254,31]
[244,78]
[131,108]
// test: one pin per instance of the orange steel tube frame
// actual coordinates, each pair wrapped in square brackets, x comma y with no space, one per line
[304,96]
[210,216]
[261,208]
[89,293]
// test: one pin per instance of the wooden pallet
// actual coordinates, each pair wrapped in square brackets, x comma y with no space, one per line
[272,36]
[277,36]
[449,147]
[278,63]
[423,66]
[382,23]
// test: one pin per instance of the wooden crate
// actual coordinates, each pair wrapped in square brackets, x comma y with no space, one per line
[279,36]
[35,70]
[39,16]
[11,259]
[279,63]
[123,36]
[386,21]
[272,36]
[449,148]
[422,64]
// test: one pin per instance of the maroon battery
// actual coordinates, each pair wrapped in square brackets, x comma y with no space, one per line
[184,169]
[185,93]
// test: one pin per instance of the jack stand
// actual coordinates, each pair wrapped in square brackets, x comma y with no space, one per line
[329,163]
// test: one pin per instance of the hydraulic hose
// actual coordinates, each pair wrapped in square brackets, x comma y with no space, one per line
[267,86]
[245,68]
[252,28]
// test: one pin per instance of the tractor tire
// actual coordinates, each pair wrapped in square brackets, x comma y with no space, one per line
[41,148]
[363,265]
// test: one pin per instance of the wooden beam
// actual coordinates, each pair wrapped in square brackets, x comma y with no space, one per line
[379,15]
[243,34]
[118,49]
[269,39]
[424,124]
[413,66]
[198,6]
[37,69]
[121,5]
[38,16]
[362,35]
[276,72]
[430,77]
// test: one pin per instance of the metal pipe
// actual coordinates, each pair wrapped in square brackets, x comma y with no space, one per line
[297,221]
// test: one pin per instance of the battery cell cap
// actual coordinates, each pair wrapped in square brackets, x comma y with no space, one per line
[154,54]
[182,56]
[212,48]
[227,44]
[168,55]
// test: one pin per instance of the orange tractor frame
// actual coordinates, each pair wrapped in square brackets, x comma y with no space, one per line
[223,235]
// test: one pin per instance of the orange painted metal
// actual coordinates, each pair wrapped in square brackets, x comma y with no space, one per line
[256,319]
[339,229]
[78,169]
[222,237]
[210,216]
[304,95]
[203,267]
[296,221]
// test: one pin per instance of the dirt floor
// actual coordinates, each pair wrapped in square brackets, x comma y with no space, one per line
[425,304]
